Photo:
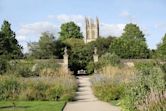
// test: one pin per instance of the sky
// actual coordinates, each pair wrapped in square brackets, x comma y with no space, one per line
[29,18]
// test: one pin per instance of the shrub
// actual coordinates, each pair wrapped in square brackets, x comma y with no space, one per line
[90,67]
[107,88]
[108,59]
[48,88]
[142,65]
[163,66]
[146,92]
[10,88]
[22,68]
[3,65]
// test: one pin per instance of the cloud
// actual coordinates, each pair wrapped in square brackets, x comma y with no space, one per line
[36,28]
[127,15]
[63,18]
[161,26]
[67,18]
[31,32]
[111,29]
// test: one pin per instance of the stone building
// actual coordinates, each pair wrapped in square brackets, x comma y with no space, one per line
[92,29]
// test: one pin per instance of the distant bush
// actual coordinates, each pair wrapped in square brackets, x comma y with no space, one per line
[108,59]
[90,68]
[142,65]
[29,68]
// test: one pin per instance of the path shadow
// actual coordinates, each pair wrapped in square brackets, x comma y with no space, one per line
[17,107]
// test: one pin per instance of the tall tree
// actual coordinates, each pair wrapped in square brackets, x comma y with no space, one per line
[2,43]
[70,30]
[10,45]
[102,44]
[44,48]
[161,49]
[132,31]
[46,44]
[132,43]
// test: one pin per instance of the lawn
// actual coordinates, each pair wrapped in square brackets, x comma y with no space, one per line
[32,106]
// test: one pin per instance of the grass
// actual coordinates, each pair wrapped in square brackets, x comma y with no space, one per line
[115,102]
[32,106]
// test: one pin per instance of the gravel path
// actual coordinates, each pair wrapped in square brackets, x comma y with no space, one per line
[86,101]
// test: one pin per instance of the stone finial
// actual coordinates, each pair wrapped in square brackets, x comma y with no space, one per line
[65,51]
[95,50]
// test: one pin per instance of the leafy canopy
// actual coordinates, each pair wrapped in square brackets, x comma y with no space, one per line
[44,48]
[161,49]
[9,46]
[70,30]
[131,44]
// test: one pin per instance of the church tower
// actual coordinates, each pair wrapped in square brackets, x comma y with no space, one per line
[92,29]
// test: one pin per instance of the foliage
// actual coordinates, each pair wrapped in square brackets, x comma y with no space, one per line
[131,44]
[161,52]
[10,88]
[79,59]
[90,67]
[163,67]
[46,45]
[3,65]
[8,43]
[44,48]
[40,88]
[58,49]
[22,68]
[70,30]
[37,80]
[102,44]
[146,92]
[107,88]
[145,65]
[108,59]
[111,81]
[79,54]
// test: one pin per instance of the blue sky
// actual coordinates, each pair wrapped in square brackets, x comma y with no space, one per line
[31,17]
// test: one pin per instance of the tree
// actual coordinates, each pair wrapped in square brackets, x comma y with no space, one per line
[132,31]
[161,49]
[79,58]
[2,43]
[9,44]
[46,44]
[102,45]
[58,51]
[131,45]
[70,30]
[43,49]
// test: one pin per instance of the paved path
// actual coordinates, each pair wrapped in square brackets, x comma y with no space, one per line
[86,101]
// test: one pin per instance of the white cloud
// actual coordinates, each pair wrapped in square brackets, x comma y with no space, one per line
[127,15]
[160,26]
[36,28]
[31,32]
[124,14]
[67,18]
[111,29]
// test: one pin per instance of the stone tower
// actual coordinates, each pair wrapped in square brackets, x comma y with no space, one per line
[92,29]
